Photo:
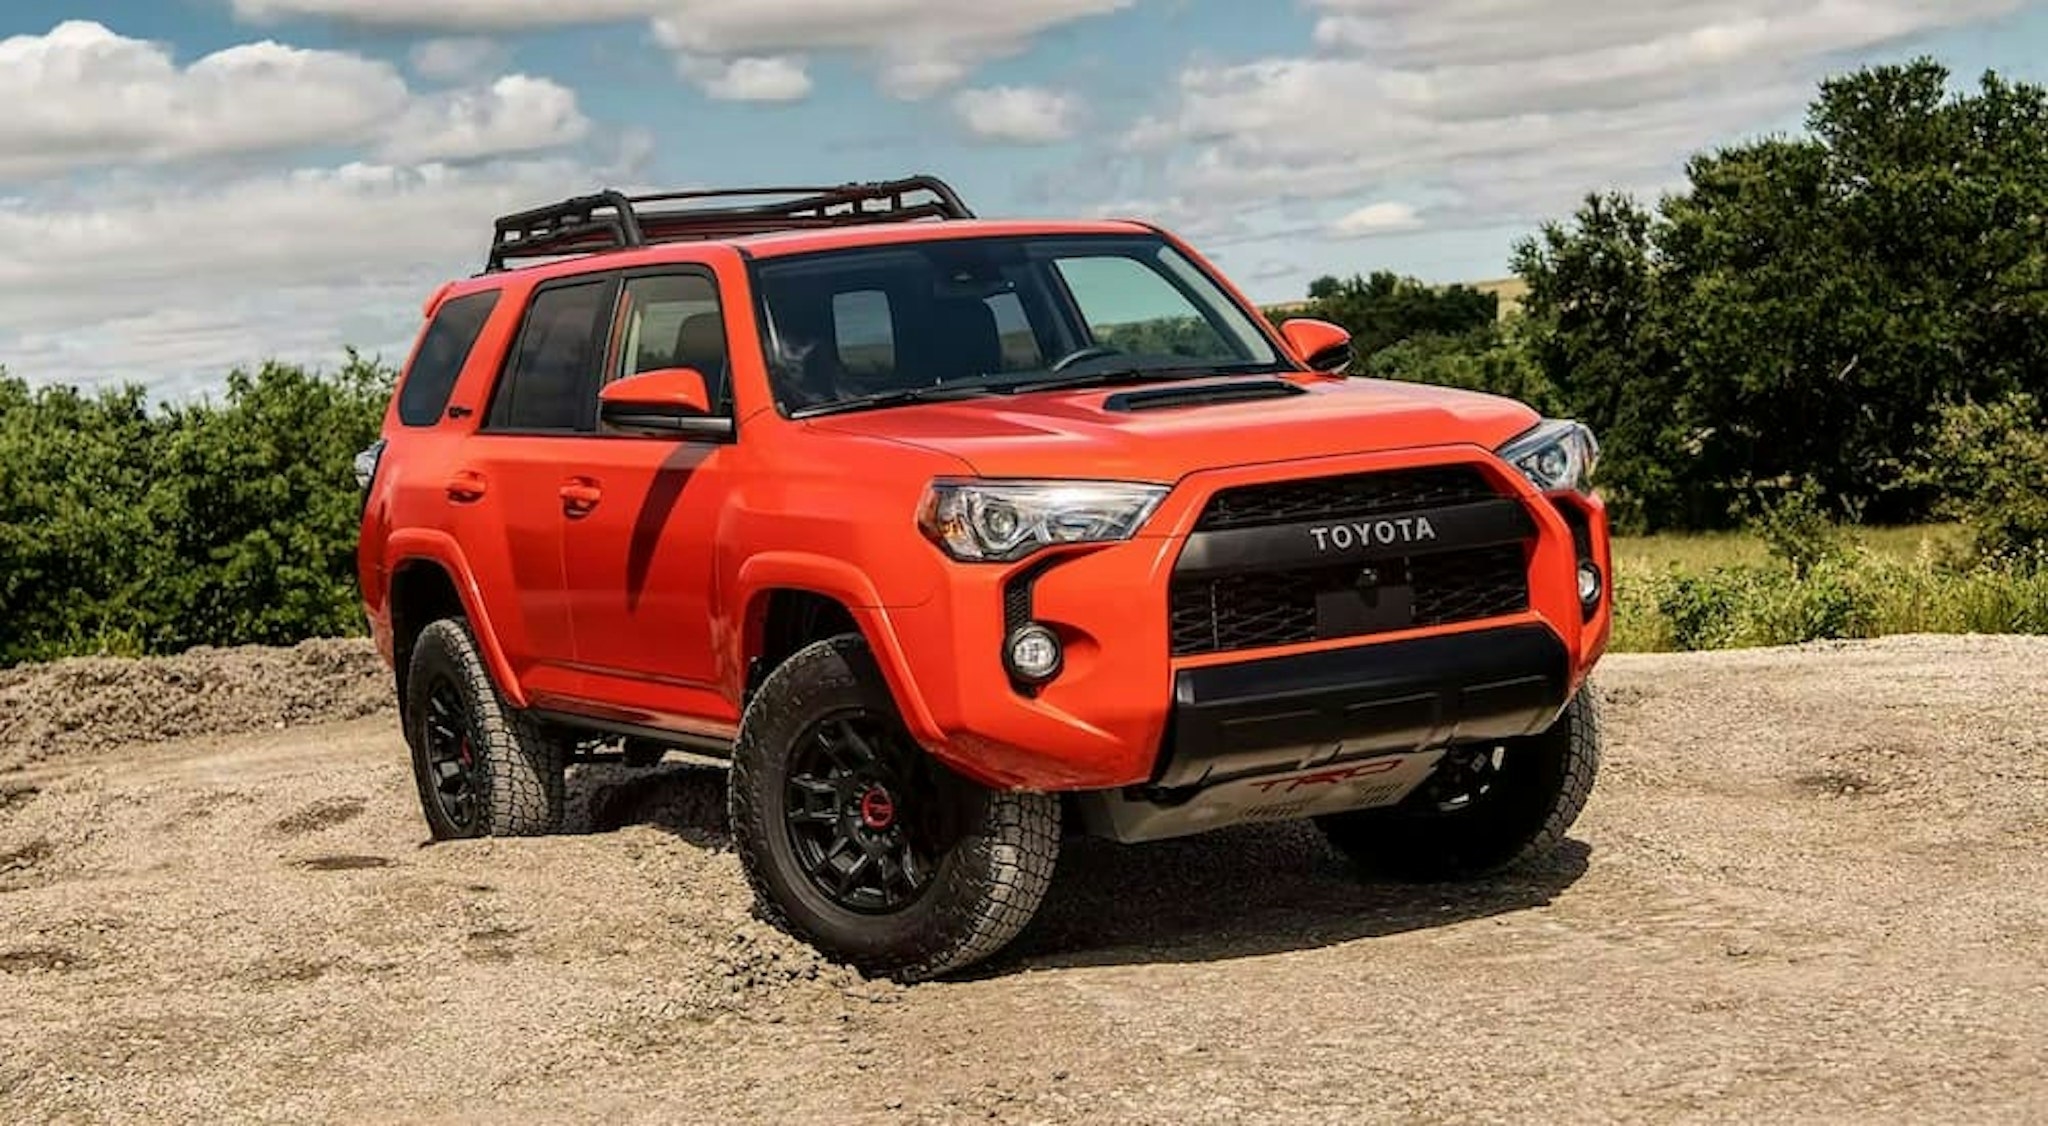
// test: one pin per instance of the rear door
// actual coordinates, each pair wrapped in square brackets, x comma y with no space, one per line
[640,547]
[508,486]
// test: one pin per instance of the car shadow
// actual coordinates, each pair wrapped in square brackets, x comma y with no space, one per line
[684,799]
[1234,893]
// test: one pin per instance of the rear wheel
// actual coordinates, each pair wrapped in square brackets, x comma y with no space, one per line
[1487,807]
[858,842]
[483,768]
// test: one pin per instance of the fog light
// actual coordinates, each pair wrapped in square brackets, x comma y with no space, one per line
[1034,654]
[1589,584]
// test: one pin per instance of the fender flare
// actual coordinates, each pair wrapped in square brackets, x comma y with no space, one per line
[425,545]
[850,587]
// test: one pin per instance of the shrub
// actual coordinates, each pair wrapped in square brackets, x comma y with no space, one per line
[1858,593]
[1991,461]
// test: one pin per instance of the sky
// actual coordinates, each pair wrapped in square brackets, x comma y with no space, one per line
[187,186]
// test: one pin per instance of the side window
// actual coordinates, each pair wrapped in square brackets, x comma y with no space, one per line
[864,328]
[1132,307]
[674,321]
[551,382]
[443,351]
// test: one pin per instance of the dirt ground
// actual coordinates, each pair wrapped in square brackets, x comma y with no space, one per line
[1812,885]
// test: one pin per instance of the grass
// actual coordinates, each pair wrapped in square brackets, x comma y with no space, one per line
[1644,555]
[1730,591]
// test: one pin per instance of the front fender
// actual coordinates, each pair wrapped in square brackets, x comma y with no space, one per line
[846,584]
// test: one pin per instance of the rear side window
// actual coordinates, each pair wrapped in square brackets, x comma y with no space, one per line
[551,383]
[442,353]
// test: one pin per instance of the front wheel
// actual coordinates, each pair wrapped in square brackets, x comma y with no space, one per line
[1487,807]
[858,842]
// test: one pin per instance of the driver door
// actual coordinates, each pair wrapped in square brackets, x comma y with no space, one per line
[639,557]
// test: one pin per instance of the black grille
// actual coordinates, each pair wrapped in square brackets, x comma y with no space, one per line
[1362,495]
[1251,611]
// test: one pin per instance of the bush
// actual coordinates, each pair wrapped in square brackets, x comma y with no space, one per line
[126,531]
[1857,593]
[1991,461]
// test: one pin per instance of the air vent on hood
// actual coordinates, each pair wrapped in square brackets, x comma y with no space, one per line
[1201,394]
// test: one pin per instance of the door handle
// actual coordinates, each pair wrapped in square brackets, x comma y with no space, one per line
[466,487]
[579,497]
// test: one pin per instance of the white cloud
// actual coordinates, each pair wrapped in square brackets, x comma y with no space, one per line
[141,284]
[770,78]
[920,47]
[454,15]
[1020,114]
[455,58]
[1377,219]
[83,96]
[1506,112]
[516,114]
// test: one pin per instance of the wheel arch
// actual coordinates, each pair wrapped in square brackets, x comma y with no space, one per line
[786,598]
[430,581]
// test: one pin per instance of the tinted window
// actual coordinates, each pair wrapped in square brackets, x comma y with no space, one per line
[996,313]
[1133,308]
[865,331]
[673,321]
[551,383]
[443,351]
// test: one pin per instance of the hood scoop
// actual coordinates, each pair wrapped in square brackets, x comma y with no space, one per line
[1202,395]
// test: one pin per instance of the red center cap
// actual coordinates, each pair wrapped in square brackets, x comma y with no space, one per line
[877,809]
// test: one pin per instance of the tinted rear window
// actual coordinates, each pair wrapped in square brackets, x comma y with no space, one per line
[552,381]
[442,353]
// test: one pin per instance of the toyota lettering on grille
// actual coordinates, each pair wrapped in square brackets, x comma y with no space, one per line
[1345,537]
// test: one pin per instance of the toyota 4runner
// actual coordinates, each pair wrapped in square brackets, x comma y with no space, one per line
[956,537]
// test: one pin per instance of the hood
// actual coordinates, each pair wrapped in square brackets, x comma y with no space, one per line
[1097,433]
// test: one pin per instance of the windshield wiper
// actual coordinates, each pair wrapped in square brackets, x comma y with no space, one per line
[937,393]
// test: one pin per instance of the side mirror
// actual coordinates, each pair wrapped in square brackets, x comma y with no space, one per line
[667,402]
[1321,345]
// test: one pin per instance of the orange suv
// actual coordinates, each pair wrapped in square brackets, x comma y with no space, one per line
[958,536]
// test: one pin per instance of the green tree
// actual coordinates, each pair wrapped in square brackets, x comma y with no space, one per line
[126,530]
[76,547]
[1799,312]
[1385,309]
[1592,323]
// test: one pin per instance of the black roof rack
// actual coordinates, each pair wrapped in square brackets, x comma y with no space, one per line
[611,220]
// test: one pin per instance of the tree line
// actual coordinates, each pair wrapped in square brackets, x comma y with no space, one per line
[1854,318]
[1850,325]
[130,530]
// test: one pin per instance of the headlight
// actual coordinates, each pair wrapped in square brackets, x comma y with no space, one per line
[1003,521]
[1558,454]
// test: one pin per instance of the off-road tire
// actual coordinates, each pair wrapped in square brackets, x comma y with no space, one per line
[987,886]
[519,776]
[1541,786]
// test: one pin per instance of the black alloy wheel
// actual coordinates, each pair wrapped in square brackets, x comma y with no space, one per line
[451,755]
[857,840]
[866,820]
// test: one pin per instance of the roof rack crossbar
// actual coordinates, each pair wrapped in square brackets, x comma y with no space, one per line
[611,220]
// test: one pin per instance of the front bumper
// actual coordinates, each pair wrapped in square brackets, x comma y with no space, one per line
[1320,709]
[1127,712]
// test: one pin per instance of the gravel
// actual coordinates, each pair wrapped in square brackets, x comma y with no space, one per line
[1812,885]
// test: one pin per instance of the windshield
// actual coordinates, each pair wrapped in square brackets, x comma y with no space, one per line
[882,325]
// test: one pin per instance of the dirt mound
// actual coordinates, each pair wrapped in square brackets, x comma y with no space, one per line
[90,705]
